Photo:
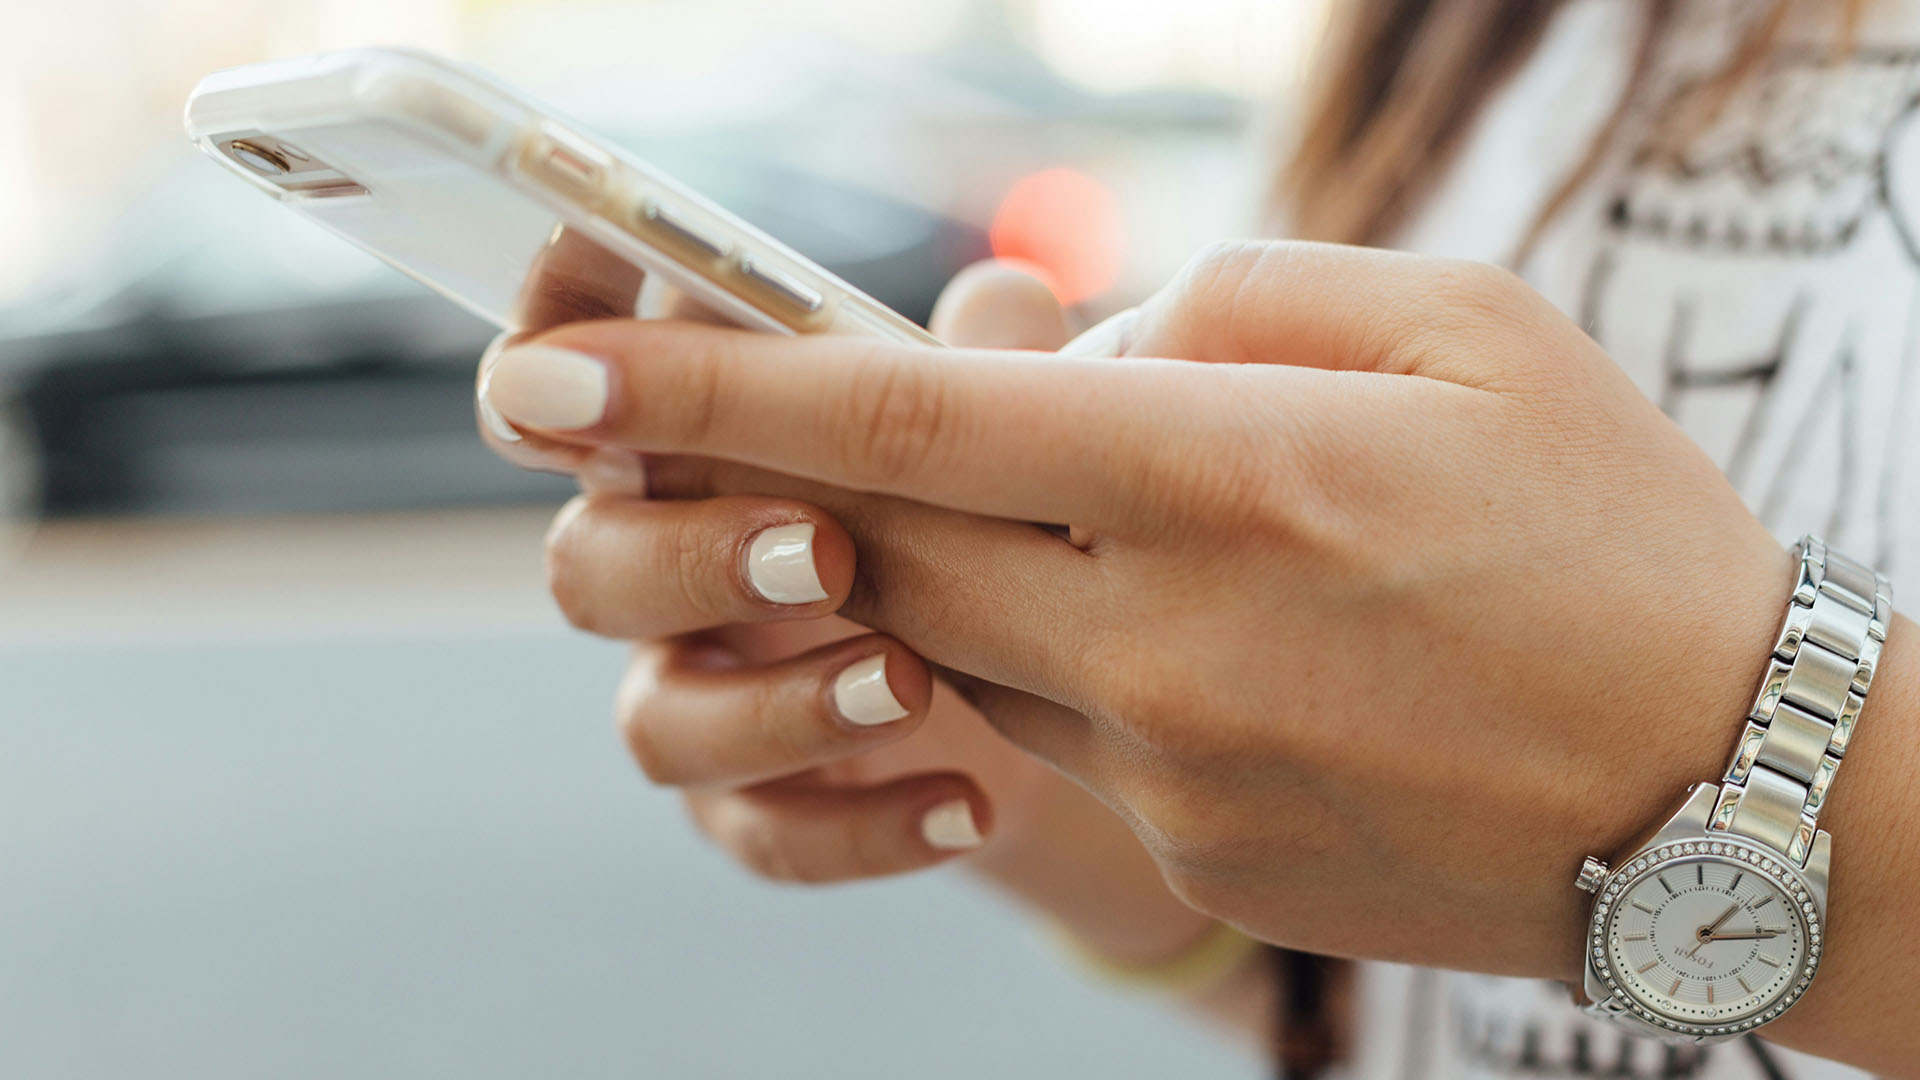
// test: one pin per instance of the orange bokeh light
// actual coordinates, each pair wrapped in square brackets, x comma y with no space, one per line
[1067,224]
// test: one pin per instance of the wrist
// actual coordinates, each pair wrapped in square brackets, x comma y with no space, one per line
[1672,724]
[1876,847]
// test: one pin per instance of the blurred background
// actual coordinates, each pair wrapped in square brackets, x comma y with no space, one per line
[300,775]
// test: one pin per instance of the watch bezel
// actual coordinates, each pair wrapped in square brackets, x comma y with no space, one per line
[1785,875]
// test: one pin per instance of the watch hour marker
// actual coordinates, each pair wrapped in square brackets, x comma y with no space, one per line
[1767,960]
[1742,980]
[1700,873]
[1675,992]
[1651,964]
[1636,937]
[1662,879]
[1762,904]
[1736,881]
[1709,993]
[1643,907]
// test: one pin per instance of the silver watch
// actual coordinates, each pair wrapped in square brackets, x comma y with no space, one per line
[1713,926]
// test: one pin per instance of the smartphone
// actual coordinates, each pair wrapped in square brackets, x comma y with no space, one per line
[499,205]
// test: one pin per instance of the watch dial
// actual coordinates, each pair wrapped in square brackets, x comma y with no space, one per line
[1708,939]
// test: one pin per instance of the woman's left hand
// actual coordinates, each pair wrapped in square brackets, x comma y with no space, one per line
[1371,626]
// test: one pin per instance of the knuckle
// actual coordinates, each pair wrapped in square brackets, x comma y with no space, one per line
[1222,298]
[639,728]
[800,870]
[690,407]
[656,765]
[1220,265]
[896,419]
[1472,297]
[760,850]
[754,841]
[1484,326]
[794,733]
[567,567]
[1492,283]
[1209,290]
[686,559]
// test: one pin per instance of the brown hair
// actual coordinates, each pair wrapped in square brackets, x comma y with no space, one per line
[1398,84]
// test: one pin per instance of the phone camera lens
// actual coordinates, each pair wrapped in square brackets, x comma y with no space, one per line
[259,159]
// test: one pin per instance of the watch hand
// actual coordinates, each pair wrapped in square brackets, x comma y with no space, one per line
[1754,936]
[1724,916]
[1705,933]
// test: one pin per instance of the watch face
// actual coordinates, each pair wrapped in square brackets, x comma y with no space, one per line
[1706,937]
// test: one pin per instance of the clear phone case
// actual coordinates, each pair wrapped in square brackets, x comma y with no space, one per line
[504,209]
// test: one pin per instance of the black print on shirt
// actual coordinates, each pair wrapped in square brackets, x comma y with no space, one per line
[1740,261]
[1588,1052]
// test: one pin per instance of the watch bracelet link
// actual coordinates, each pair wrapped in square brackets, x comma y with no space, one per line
[1803,718]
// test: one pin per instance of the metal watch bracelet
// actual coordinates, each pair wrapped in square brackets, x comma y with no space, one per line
[1757,823]
[1817,679]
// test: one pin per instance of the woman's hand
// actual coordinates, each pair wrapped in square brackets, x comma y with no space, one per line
[1374,626]
[1378,622]
[806,746]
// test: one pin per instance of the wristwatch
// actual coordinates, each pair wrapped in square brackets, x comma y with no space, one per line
[1713,926]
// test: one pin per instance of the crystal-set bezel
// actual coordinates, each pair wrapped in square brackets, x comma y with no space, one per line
[1786,876]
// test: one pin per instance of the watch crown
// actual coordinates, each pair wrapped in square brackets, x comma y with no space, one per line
[1593,874]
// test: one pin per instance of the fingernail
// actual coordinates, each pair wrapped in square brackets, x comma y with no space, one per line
[861,693]
[496,423]
[490,417]
[950,826]
[541,386]
[607,471]
[780,565]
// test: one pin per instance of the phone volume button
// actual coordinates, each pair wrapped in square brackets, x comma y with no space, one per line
[787,288]
[674,225]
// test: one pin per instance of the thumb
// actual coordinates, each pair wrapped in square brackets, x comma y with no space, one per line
[1000,305]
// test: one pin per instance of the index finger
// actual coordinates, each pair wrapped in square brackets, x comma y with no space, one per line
[1029,436]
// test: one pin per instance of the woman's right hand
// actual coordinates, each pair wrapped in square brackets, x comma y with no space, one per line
[808,748]
[805,746]
[736,698]
[786,728]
